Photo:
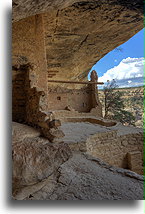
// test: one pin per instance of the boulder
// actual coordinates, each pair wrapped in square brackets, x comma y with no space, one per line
[21,131]
[35,159]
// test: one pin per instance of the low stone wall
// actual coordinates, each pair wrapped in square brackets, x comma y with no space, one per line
[125,151]
[117,145]
[101,121]
[75,116]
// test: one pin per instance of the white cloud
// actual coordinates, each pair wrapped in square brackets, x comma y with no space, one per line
[129,81]
[127,69]
[135,83]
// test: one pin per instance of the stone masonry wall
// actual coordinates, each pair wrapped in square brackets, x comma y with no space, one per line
[29,86]
[19,96]
[79,100]
[125,151]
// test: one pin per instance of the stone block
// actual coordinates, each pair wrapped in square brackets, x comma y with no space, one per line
[52,134]
[124,143]
[69,108]
[54,123]
[56,133]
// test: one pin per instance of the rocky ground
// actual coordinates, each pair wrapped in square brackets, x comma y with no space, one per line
[50,171]
[133,100]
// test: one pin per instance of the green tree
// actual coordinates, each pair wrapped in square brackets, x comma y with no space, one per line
[114,104]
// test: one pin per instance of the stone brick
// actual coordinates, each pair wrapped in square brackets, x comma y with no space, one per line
[54,123]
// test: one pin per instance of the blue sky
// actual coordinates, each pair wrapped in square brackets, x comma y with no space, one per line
[126,66]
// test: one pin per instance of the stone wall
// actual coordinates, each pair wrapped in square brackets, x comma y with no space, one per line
[19,96]
[29,70]
[79,99]
[125,151]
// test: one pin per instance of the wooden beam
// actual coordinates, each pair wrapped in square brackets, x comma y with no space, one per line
[76,82]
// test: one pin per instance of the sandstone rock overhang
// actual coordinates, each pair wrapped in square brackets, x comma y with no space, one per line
[23,9]
[79,33]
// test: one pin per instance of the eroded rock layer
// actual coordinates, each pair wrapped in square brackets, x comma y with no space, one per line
[23,9]
[79,33]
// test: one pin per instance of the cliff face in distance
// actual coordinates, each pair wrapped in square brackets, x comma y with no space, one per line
[133,100]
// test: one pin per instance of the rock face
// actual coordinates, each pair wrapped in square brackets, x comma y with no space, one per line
[35,159]
[85,178]
[22,9]
[79,33]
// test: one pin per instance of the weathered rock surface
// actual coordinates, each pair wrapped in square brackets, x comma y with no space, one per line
[21,131]
[23,9]
[46,171]
[85,178]
[35,159]
[79,33]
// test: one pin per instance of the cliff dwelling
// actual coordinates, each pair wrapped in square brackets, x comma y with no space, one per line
[58,126]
